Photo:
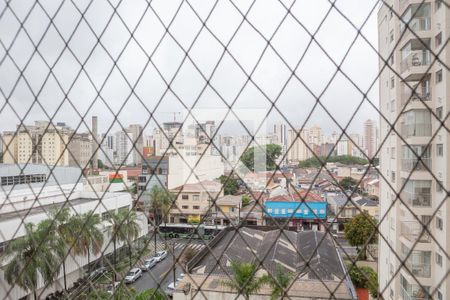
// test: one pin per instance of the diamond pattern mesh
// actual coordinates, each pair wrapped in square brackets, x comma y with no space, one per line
[243,65]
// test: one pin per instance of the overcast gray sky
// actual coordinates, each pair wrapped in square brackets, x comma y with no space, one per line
[226,83]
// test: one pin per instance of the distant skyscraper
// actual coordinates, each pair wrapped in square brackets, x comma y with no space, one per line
[370,137]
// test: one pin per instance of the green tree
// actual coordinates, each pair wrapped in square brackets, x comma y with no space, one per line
[230,185]
[254,156]
[244,280]
[123,228]
[245,200]
[87,236]
[360,231]
[63,232]
[348,183]
[316,162]
[279,282]
[364,277]
[30,256]
[160,203]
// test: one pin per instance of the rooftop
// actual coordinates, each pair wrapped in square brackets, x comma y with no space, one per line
[310,254]
[297,196]
[209,185]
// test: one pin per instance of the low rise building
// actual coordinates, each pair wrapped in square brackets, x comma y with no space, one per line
[30,192]
[194,201]
[319,272]
[303,209]
[227,209]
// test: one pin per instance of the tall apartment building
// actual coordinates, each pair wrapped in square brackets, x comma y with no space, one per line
[370,137]
[41,143]
[414,87]
[298,150]
[80,150]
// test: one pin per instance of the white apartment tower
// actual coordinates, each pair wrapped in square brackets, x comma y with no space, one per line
[415,89]
[370,137]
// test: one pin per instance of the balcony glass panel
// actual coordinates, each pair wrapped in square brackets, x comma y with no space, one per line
[410,159]
[414,231]
[417,17]
[418,262]
[417,193]
[417,123]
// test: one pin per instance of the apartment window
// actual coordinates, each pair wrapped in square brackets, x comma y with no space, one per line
[195,197]
[440,150]
[392,105]
[290,210]
[305,211]
[439,223]
[315,212]
[438,76]
[392,82]
[196,207]
[185,206]
[392,152]
[283,211]
[439,296]
[438,259]
[185,197]
[391,36]
[277,211]
[438,4]
[393,176]
[439,112]
[438,39]
[269,210]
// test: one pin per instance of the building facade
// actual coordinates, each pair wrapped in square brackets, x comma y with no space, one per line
[41,143]
[414,87]
[193,201]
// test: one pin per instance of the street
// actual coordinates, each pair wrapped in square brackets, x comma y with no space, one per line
[161,275]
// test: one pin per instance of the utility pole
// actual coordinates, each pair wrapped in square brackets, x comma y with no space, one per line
[174,265]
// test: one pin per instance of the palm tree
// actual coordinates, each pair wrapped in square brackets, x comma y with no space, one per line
[244,279]
[61,231]
[88,237]
[279,283]
[30,256]
[160,204]
[124,228]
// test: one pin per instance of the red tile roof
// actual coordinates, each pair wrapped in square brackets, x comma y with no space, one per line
[299,196]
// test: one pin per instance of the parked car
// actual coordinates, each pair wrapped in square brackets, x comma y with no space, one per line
[160,255]
[148,264]
[133,275]
[171,289]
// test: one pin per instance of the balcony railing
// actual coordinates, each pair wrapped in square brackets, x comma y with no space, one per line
[414,231]
[410,164]
[418,129]
[416,58]
[416,295]
[410,96]
[417,199]
[419,269]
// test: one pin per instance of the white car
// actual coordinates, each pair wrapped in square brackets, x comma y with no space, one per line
[160,255]
[171,289]
[148,264]
[133,275]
